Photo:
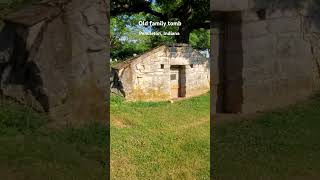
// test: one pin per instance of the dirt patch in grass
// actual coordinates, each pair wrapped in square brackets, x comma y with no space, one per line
[193,125]
[122,168]
[118,122]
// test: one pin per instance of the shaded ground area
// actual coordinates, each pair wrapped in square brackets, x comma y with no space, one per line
[278,145]
[31,151]
[160,140]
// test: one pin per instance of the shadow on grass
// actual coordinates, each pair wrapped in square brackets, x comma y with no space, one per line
[31,150]
[283,144]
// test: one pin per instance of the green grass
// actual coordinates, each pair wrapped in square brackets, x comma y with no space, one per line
[279,145]
[163,141]
[31,150]
[160,140]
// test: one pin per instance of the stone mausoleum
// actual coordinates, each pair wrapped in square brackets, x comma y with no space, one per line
[265,53]
[163,73]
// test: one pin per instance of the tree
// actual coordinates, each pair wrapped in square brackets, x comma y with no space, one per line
[125,40]
[193,14]
[200,39]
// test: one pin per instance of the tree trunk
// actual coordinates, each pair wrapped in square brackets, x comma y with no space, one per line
[184,35]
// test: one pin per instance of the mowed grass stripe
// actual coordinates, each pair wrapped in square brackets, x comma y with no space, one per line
[160,140]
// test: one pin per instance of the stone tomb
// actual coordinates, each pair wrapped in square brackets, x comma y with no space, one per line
[163,73]
[265,53]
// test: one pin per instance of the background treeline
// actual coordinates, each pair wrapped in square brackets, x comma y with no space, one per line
[125,15]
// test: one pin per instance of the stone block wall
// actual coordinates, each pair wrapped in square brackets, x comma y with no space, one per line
[148,77]
[279,67]
[197,77]
[276,50]
[149,80]
[230,5]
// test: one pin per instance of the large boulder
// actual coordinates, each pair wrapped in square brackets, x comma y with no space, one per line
[53,57]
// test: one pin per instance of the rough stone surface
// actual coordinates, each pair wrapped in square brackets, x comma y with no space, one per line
[278,55]
[148,77]
[58,61]
[229,5]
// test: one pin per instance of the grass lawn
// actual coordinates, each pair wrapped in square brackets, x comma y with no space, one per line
[31,151]
[279,145]
[163,141]
[160,140]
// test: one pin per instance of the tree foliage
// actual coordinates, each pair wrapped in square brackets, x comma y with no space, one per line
[200,39]
[125,40]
